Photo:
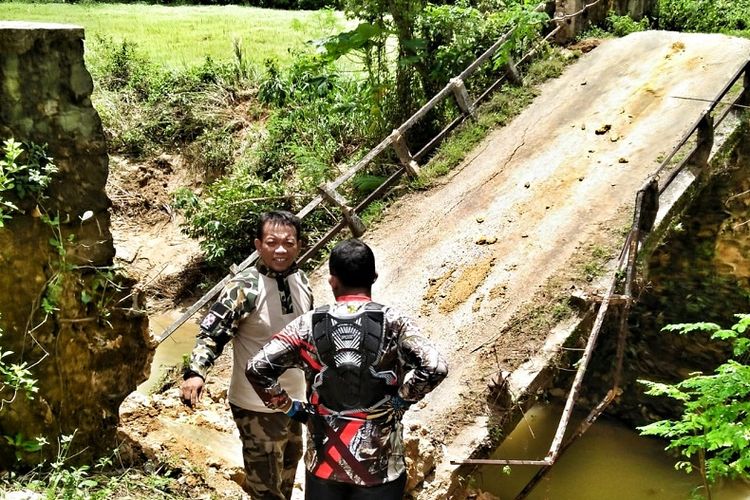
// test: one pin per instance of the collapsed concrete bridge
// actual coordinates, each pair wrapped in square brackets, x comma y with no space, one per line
[487,260]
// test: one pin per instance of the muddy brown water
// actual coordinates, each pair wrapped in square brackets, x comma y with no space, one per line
[171,351]
[611,461]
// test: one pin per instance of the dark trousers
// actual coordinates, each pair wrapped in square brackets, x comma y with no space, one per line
[322,489]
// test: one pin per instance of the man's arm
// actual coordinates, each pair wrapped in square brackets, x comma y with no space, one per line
[217,328]
[420,355]
[282,352]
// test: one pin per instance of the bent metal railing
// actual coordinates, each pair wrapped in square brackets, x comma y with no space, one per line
[409,163]
[646,207]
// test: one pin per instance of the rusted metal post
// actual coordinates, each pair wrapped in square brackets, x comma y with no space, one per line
[647,205]
[705,141]
[462,97]
[356,226]
[404,155]
[588,422]
[744,99]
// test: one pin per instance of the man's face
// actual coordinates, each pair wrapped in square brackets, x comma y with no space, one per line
[279,246]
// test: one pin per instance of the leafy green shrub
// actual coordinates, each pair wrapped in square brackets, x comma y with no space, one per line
[625,25]
[704,16]
[453,36]
[273,88]
[212,153]
[23,172]
[594,32]
[121,66]
[14,377]
[325,120]
[224,218]
[100,481]
[145,108]
[715,422]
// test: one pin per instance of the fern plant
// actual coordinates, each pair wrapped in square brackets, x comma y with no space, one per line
[714,428]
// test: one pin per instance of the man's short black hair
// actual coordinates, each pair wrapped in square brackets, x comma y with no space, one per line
[281,217]
[353,263]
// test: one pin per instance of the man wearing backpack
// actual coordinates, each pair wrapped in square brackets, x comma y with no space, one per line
[364,364]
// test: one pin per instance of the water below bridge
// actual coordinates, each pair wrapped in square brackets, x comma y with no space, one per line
[611,461]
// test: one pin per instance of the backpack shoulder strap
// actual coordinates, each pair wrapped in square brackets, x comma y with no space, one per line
[321,325]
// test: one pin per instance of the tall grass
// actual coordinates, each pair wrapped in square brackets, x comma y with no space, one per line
[180,37]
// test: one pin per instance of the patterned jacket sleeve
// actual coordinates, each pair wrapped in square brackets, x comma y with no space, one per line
[217,328]
[418,354]
[282,352]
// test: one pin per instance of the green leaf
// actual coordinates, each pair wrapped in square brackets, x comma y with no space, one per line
[685,328]
[336,46]
[724,334]
[715,422]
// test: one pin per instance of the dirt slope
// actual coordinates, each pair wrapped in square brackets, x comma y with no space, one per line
[529,204]
[146,230]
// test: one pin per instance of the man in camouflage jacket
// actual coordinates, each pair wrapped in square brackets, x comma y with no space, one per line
[354,441]
[254,305]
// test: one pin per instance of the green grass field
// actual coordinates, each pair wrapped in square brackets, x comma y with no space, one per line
[184,36]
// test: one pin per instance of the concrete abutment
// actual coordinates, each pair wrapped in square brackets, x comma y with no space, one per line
[93,349]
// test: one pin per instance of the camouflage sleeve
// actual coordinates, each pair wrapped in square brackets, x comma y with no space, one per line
[428,367]
[236,301]
[282,352]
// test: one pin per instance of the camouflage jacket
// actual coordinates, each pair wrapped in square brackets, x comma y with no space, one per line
[363,447]
[253,306]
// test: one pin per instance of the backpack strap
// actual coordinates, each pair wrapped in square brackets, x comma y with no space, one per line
[321,326]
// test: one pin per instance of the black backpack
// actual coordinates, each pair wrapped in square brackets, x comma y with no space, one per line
[349,346]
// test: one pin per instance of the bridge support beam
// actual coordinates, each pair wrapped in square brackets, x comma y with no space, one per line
[404,155]
[356,226]
[744,99]
[462,97]
[705,132]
